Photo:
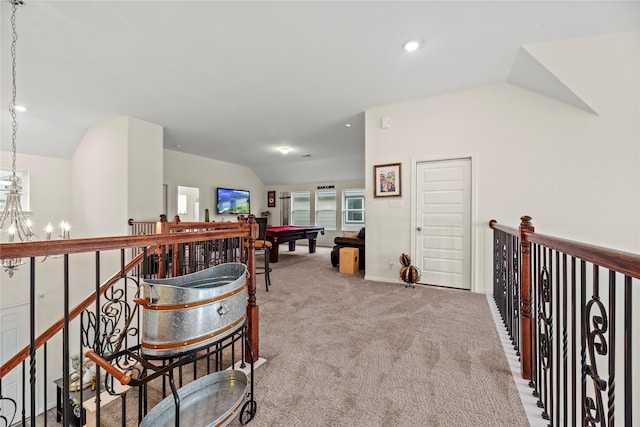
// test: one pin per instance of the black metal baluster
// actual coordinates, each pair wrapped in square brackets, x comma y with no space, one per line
[565,388]
[596,325]
[510,304]
[516,294]
[574,353]
[612,346]
[583,336]
[44,385]
[80,354]
[97,347]
[32,340]
[544,296]
[123,276]
[549,325]
[558,357]
[65,345]
[628,345]
[535,380]
[24,393]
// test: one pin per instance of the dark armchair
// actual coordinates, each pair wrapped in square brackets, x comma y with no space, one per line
[348,242]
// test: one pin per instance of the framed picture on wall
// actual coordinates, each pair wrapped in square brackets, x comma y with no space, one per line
[387,180]
[271,199]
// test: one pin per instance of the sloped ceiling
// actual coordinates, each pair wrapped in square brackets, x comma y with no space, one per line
[234,80]
[529,73]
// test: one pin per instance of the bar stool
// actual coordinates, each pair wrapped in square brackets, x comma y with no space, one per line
[262,245]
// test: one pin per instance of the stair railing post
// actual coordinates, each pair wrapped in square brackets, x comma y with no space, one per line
[526,325]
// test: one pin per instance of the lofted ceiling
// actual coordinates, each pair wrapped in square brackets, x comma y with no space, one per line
[235,80]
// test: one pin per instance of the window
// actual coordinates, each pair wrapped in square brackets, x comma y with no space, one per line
[23,181]
[300,208]
[353,208]
[326,209]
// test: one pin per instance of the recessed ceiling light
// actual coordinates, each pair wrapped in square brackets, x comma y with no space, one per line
[284,150]
[21,108]
[412,45]
[348,125]
[178,146]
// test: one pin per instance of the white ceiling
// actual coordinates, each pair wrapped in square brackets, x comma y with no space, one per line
[235,80]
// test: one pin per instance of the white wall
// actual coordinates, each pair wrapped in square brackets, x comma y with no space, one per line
[99,180]
[577,174]
[144,168]
[117,175]
[207,174]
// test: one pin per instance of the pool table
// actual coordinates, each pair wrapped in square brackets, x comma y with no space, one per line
[291,233]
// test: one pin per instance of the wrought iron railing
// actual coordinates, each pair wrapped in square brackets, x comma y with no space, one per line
[107,321]
[573,303]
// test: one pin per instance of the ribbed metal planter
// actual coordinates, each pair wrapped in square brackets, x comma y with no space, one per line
[185,313]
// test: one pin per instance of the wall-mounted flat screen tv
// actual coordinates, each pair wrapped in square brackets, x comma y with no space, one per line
[230,201]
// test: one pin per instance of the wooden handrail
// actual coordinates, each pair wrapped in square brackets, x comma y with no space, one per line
[509,230]
[623,262]
[75,312]
[74,246]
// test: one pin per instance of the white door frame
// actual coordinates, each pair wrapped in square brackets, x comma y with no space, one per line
[414,198]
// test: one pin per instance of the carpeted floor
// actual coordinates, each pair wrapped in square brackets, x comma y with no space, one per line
[342,351]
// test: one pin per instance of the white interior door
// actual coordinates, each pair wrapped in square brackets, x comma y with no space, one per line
[443,223]
[14,336]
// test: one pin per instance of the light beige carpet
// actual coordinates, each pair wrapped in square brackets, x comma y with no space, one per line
[342,351]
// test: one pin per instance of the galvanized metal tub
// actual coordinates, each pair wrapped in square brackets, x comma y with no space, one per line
[188,312]
[213,400]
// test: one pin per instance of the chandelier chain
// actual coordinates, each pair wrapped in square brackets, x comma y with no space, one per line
[12,107]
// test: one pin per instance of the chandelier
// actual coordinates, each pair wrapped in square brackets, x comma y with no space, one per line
[18,226]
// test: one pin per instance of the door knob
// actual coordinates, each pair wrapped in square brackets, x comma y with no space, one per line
[419,228]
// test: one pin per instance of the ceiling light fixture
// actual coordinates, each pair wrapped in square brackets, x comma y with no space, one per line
[285,150]
[21,109]
[412,45]
[12,215]
[348,125]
